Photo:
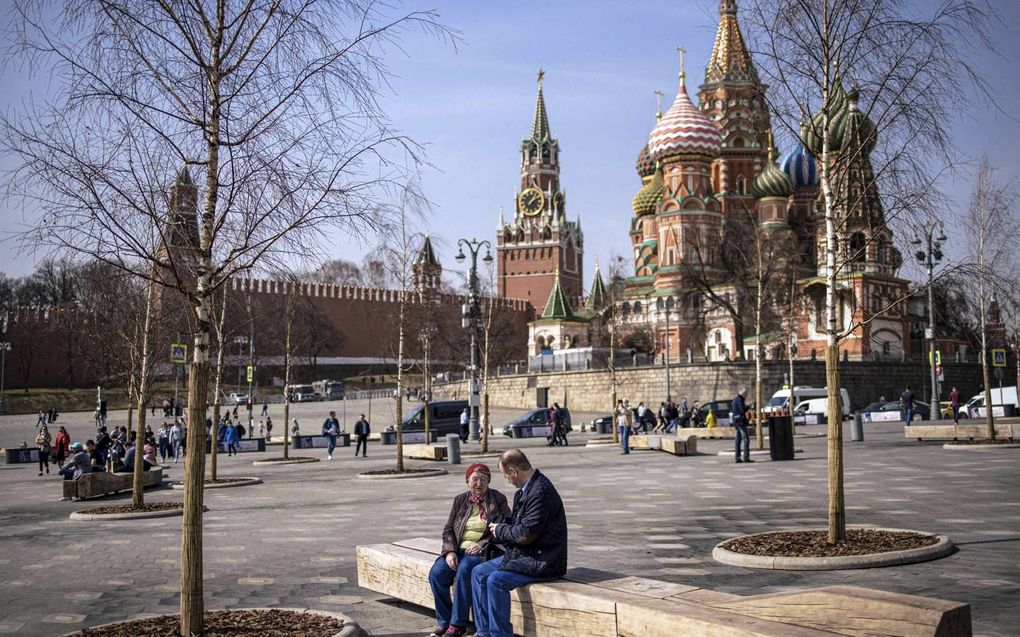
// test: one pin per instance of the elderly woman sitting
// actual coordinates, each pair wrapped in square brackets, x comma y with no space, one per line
[466,543]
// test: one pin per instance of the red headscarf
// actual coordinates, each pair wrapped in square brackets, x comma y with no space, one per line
[478,466]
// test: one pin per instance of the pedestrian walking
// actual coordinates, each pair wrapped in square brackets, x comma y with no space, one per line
[269,428]
[330,430]
[361,431]
[61,445]
[44,442]
[295,431]
[907,405]
[954,404]
[623,424]
[176,440]
[265,409]
[465,419]
[738,416]
[41,420]
[163,441]
[230,438]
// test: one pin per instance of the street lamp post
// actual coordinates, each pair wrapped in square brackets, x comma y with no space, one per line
[241,341]
[930,256]
[666,305]
[470,314]
[5,346]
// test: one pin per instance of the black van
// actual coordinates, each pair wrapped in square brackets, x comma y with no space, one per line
[444,418]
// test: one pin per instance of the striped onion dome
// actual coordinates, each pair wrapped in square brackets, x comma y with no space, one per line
[800,167]
[847,124]
[645,165]
[684,130]
[647,199]
[771,182]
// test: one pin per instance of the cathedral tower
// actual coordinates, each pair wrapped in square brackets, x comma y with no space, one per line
[539,240]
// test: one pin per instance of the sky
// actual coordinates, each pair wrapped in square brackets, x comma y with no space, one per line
[471,105]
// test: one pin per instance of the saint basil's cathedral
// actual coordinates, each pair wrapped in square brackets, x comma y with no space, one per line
[706,171]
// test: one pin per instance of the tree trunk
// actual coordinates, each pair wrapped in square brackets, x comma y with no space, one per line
[192,601]
[759,435]
[289,318]
[217,388]
[485,421]
[137,487]
[837,510]
[400,379]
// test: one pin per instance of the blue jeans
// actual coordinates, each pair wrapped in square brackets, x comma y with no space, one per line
[741,434]
[671,427]
[908,414]
[330,444]
[441,578]
[624,438]
[491,588]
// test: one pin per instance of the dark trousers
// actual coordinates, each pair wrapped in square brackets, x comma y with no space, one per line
[362,446]
[956,414]
[44,459]
[742,435]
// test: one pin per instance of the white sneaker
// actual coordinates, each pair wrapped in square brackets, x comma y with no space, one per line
[329,457]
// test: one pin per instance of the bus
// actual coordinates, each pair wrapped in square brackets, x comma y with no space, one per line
[301,393]
[329,389]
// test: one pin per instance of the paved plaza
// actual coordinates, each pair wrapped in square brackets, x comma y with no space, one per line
[290,541]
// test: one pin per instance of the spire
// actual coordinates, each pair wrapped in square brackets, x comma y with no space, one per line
[683,73]
[184,177]
[597,294]
[427,256]
[502,221]
[540,121]
[730,59]
[658,105]
[557,307]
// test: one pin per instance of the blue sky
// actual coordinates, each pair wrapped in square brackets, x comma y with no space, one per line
[603,60]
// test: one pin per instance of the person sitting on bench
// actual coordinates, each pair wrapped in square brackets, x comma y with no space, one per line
[78,464]
[127,465]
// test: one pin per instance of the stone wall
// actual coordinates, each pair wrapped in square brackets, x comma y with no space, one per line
[591,390]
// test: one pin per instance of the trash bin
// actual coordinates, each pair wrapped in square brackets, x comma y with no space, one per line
[857,429]
[781,437]
[453,448]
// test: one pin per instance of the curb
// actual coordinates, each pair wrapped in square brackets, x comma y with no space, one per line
[952,446]
[247,482]
[143,515]
[429,473]
[351,628]
[277,463]
[940,549]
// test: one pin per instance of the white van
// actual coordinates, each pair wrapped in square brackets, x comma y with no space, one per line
[780,400]
[820,407]
[975,407]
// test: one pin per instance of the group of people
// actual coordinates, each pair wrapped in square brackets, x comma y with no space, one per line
[489,548]
[108,451]
[671,415]
[332,429]
[557,426]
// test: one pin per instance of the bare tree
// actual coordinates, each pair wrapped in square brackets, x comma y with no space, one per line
[990,220]
[907,64]
[272,104]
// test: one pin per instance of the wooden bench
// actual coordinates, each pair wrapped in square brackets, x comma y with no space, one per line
[601,604]
[425,452]
[676,445]
[99,483]
[956,432]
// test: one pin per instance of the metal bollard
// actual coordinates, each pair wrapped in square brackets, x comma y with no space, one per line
[453,448]
[857,429]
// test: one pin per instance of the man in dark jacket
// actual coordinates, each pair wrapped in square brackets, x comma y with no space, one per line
[738,416]
[536,543]
[361,430]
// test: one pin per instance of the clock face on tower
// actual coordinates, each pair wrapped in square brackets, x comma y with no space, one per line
[531,201]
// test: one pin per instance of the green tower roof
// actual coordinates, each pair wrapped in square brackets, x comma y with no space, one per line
[597,295]
[557,307]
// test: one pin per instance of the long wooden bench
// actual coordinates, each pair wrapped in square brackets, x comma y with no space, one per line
[601,604]
[99,483]
[676,445]
[978,431]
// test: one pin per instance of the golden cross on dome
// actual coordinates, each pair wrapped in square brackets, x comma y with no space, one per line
[658,104]
[682,73]
[541,74]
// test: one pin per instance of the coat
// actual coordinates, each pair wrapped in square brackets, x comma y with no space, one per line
[362,428]
[230,435]
[536,536]
[497,509]
[62,444]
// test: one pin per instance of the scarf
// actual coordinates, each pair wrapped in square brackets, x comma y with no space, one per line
[479,501]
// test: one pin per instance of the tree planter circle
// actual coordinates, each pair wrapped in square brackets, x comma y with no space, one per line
[86,515]
[281,461]
[980,446]
[754,452]
[941,547]
[231,482]
[405,474]
[299,621]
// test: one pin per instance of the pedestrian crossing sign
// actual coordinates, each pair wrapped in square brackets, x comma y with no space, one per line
[251,373]
[178,353]
[998,358]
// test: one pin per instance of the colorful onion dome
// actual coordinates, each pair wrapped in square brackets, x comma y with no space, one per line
[855,131]
[771,182]
[799,165]
[647,199]
[684,130]
[811,134]
[645,165]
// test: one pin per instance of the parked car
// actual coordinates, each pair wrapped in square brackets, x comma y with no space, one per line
[891,412]
[444,418]
[535,423]
[239,399]
[602,422]
[721,409]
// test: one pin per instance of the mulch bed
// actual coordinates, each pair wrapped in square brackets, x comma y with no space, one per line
[986,442]
[282,459]
[393,472]
[147,507]
[224,623]
[815,543]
